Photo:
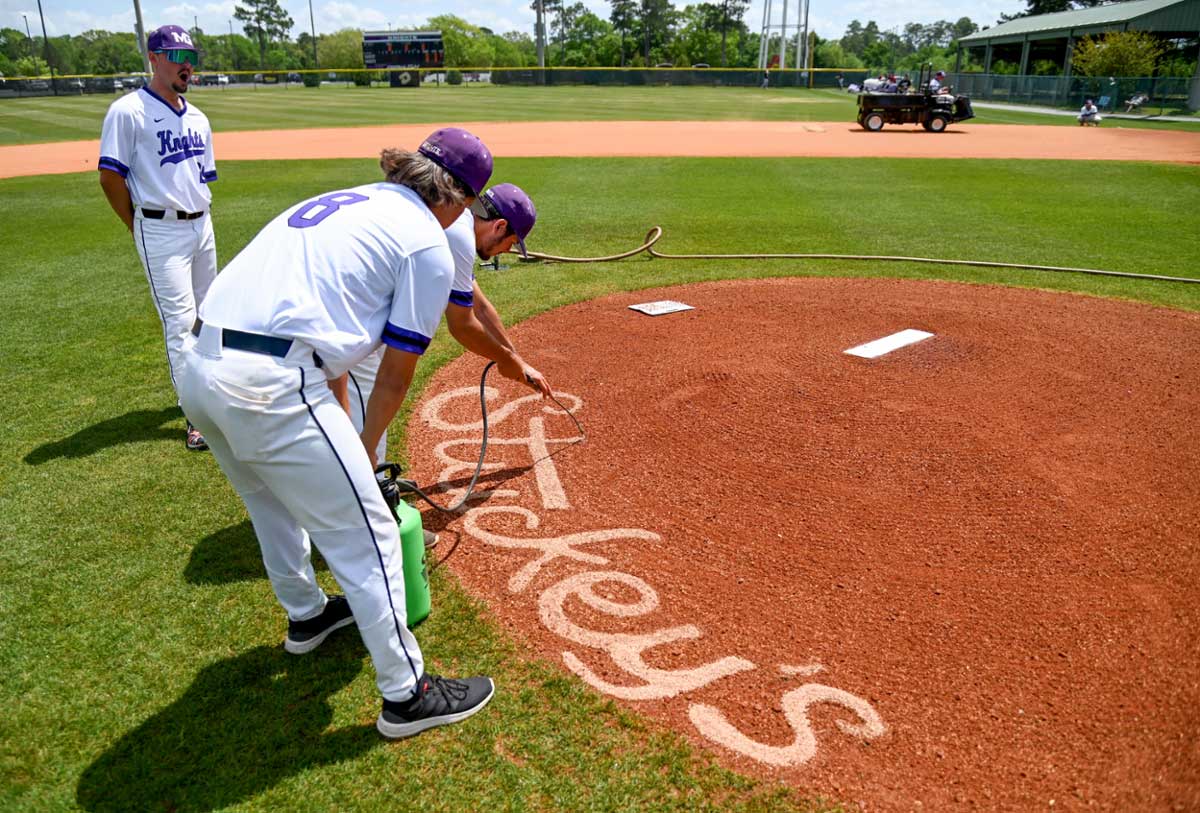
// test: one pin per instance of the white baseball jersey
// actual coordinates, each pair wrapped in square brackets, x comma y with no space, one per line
[165,155]
[341,272]
[461,236]
[934,85]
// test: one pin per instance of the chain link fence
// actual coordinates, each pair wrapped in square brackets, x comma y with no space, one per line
[1149,94]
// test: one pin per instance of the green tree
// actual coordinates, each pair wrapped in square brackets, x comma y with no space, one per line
[964,27]
[264,21]
[830,54]
[340,50]
[1036,7]
[31,66]
[1117,53]
[515,49]
[626,21]
[657,17]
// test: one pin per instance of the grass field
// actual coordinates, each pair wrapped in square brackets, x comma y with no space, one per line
[140,639]
[42,119]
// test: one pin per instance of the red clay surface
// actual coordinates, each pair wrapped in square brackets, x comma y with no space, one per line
[667,138]
[977,554]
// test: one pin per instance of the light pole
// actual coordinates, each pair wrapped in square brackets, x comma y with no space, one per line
[141,35]
[313,24]
[28,36]
[232,47]
[46,49]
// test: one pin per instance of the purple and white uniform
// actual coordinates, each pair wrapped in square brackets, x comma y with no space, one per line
[316,292]
[461,237]
[166,158]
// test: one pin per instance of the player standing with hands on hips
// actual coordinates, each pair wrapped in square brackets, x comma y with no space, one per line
[156,161]
[319,288]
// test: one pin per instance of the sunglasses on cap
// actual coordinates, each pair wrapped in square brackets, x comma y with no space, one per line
[181,55]
[486,210]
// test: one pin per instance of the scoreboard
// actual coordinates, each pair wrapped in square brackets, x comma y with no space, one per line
[403,49]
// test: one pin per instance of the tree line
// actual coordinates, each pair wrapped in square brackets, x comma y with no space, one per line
[637,33]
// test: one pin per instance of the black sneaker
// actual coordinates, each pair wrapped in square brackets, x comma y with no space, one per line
[438,701]
[431,539]
[194,441]
[305,636]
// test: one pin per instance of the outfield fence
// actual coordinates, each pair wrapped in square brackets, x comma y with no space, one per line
[1160,94]
[411,77]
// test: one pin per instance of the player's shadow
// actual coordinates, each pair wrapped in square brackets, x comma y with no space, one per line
[245,724]
[231,555]
[132,427]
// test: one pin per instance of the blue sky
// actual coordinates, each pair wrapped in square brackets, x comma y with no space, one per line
[828,19]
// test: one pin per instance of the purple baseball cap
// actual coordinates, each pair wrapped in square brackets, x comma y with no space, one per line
[461,154]
[511,203]
[170,37]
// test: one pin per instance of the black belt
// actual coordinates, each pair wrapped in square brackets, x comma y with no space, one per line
[256,343]
[159,214]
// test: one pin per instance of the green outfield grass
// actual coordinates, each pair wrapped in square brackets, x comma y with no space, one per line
[232,108]
[140,644]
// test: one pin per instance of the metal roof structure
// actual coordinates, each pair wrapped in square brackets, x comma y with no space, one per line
[1179,17]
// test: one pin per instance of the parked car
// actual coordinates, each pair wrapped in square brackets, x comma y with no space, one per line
[133,82]
[701,65]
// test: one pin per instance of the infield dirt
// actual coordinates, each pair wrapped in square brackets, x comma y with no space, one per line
[666,138]
[963,574]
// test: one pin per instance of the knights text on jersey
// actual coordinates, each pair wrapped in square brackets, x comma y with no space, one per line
[341,272]
[461,236]
[165,155]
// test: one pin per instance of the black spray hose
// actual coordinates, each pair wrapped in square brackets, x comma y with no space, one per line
[406,486]
[656,232]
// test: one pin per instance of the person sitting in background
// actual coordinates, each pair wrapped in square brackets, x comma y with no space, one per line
[889,84]
[935,83]
[1089,114]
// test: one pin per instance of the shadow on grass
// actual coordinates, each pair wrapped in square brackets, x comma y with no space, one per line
[231,555]
[244,725]
[132,427]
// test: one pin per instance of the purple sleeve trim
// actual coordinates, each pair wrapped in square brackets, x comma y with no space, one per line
[208,177]
[464,299]
[407,340]
[112,163]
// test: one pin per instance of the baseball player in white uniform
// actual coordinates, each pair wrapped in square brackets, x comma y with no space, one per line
[156,161]
[500,218]
[319,288]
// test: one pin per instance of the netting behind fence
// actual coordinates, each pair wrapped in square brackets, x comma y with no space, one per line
[1058,91]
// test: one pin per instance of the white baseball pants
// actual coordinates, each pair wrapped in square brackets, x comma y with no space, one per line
[291,452]
[180,259]
[360,383]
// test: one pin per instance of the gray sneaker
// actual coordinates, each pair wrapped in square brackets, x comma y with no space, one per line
[438,701]
[431,539]
[305,636]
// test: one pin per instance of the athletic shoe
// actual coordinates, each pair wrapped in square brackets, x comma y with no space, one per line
[305,636]
[430,539]
[195,441]
[438,701]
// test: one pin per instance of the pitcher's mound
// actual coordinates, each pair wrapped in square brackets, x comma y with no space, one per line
[963,572]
